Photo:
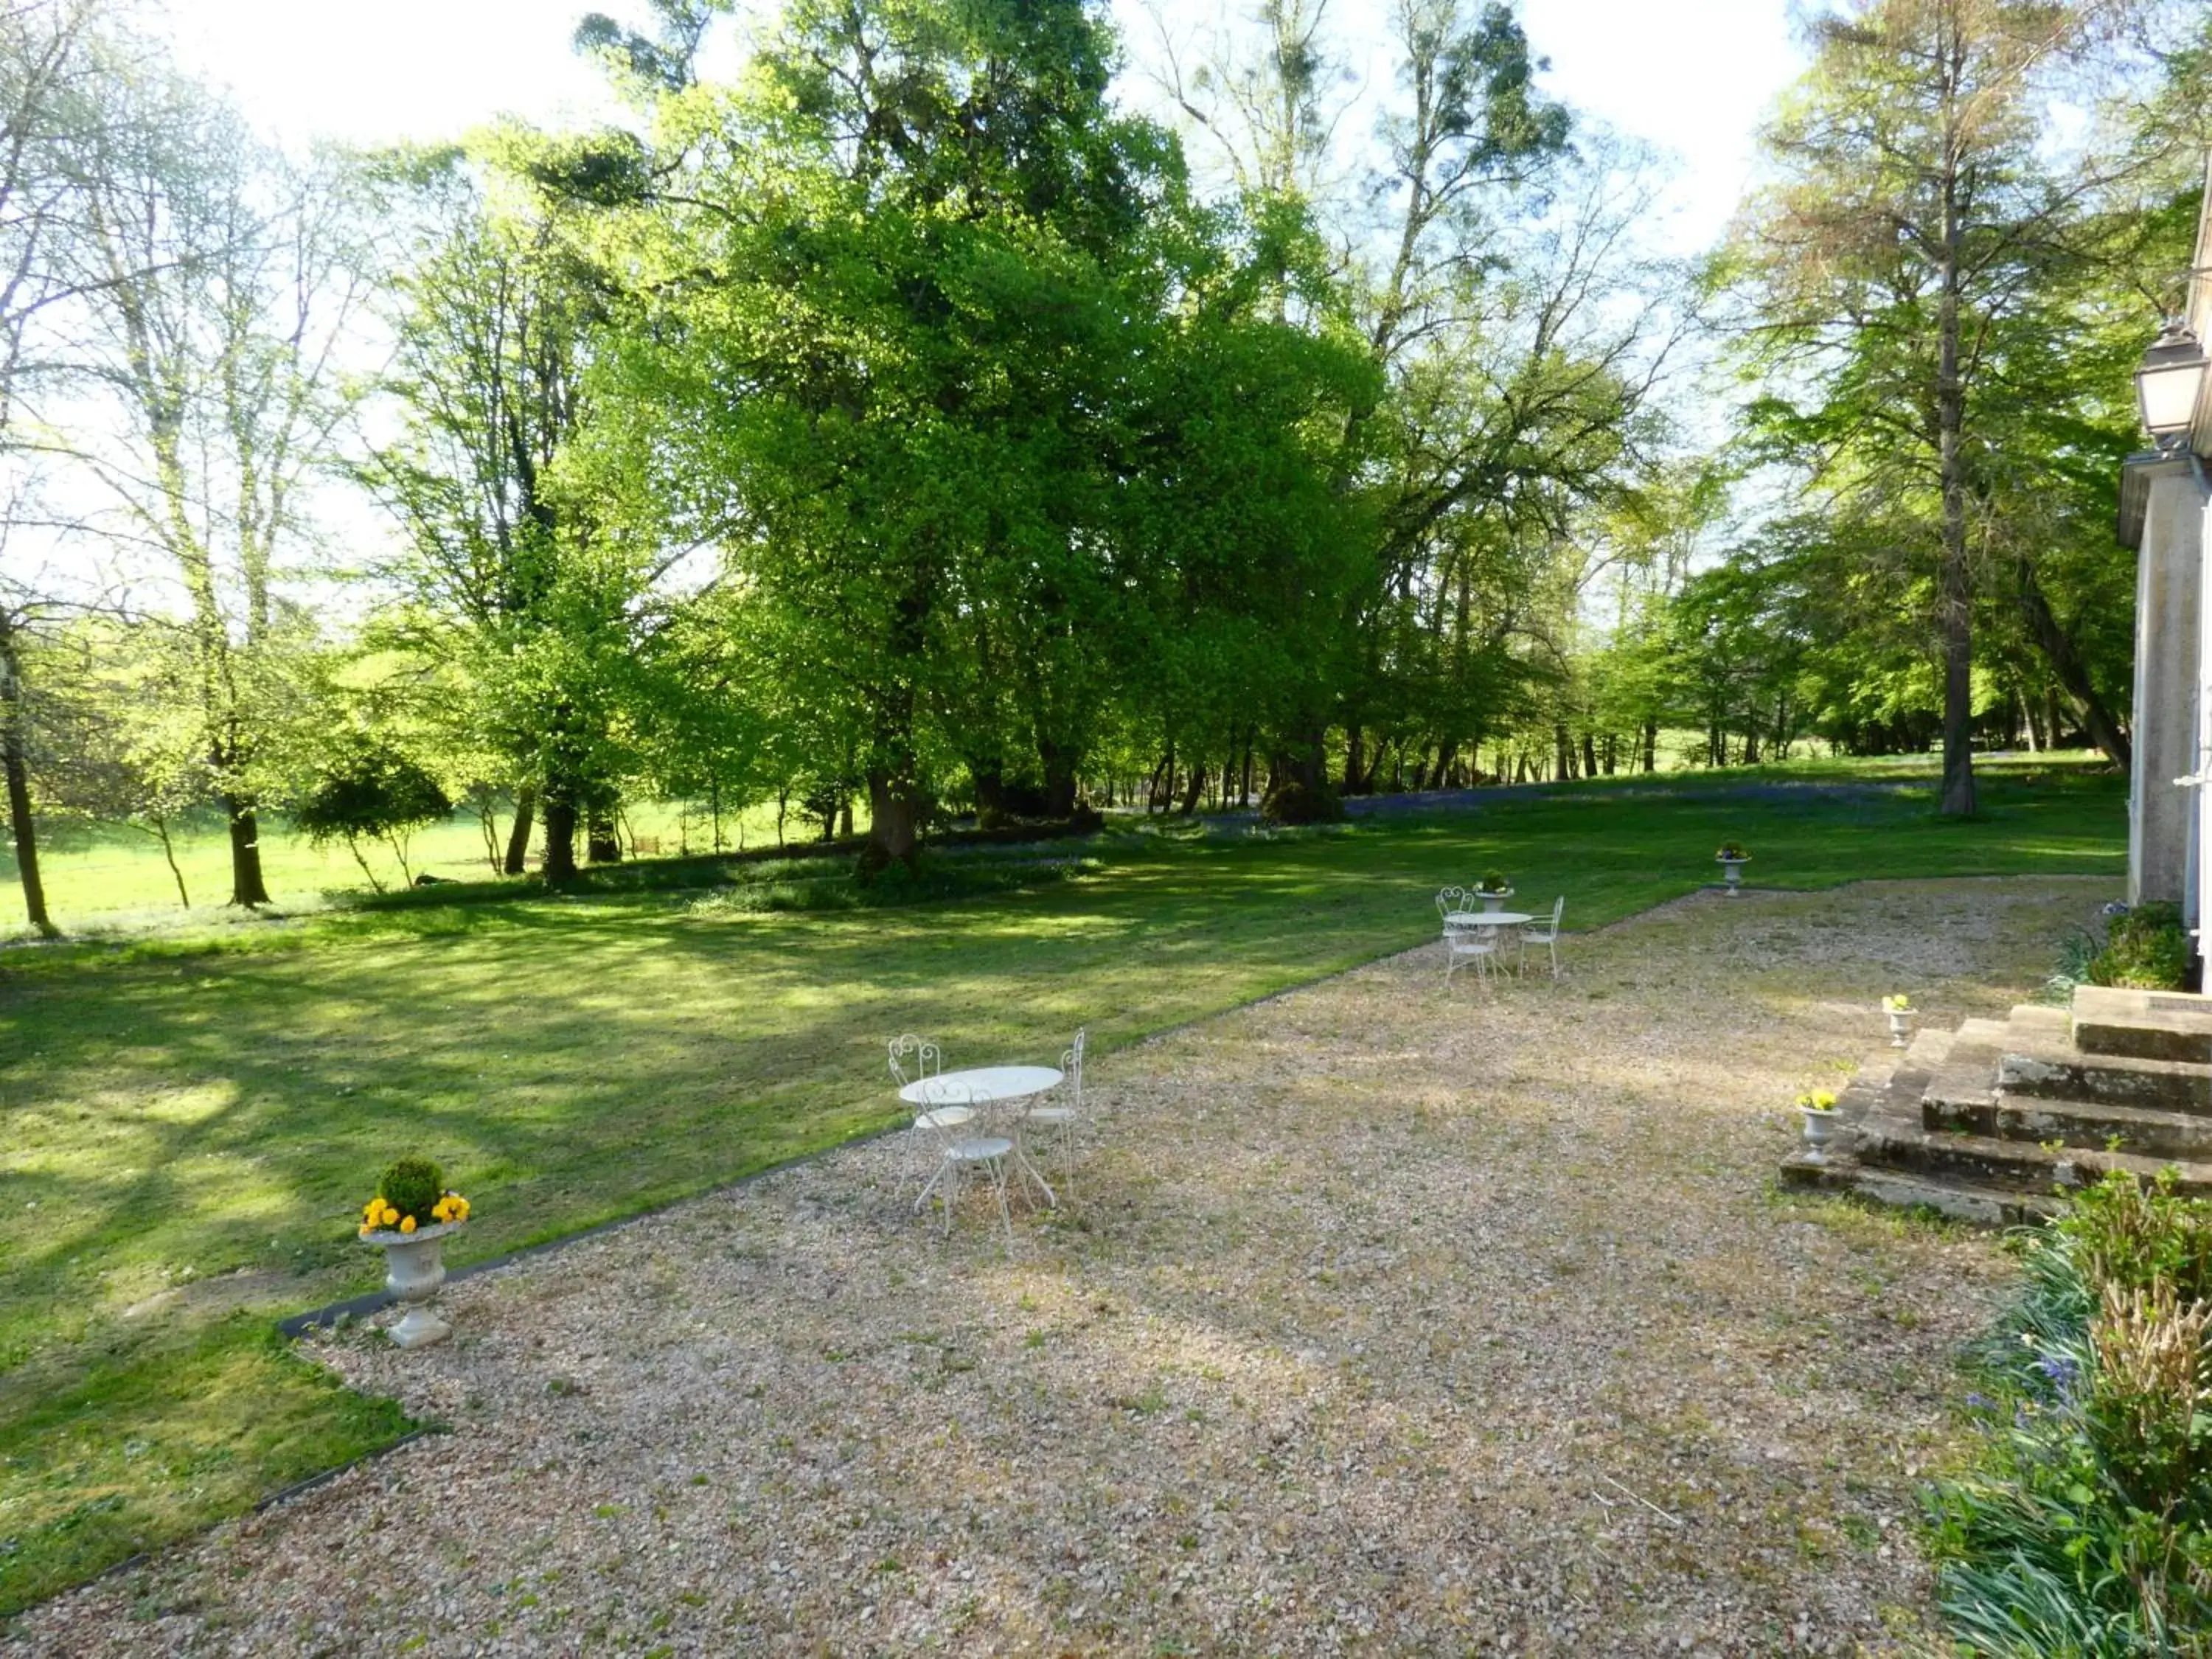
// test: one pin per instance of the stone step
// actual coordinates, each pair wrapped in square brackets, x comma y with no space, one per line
[1991,1206]
[1968,1076]
[2055,1072]
[2143,1025]
[2039,1019]
[2095,1126]
[1927,1049]
[1886,1141]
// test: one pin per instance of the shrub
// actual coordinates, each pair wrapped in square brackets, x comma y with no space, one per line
[2128,1237]
[2085,1526]
[2146,949]
[413,1186]
[370,792]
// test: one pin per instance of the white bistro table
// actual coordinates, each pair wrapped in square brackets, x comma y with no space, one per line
[1498,919]
[982,1088]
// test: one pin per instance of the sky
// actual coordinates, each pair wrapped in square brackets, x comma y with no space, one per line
[1691,77]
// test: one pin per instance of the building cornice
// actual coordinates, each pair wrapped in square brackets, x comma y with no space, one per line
[2138,472]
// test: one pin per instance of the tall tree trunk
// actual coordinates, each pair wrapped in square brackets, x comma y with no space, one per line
[1061,764]
[246,887]
[1651,745]
[27,838]
[1355,754]
[560,831]
[1196,788]
[1561,743]
[1955,585]
[160,831]
[2058,645]
[1589,757]
[518,838]
[601,844]
[894,809]
[15,754]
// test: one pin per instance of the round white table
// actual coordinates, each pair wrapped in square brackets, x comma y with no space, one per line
[980,1087]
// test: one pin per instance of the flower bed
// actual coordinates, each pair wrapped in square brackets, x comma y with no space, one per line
[2084,1525]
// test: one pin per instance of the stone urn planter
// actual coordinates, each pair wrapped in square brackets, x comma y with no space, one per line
[414,1268]
[1821,1119]
[408,1220]
[1492,902]
[1732,870]
[1899,1013]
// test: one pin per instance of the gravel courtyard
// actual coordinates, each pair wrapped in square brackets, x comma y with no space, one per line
[1382,1319]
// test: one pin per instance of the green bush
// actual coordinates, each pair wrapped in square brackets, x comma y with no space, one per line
[2130,1237]
[2146,949]
[2084,1526]
[413,1186]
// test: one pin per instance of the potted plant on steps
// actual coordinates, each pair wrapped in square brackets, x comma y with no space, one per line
[1732,859]
[1900,1011]
[1494,889]
[1819,1107]
[409,1219]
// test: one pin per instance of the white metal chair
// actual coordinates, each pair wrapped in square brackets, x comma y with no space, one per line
[1058,1118]
[964,1148]
[1453,901]
[928,1060]
[1474,945]
[1546,936]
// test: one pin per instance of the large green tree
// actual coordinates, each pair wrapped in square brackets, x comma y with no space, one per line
[1902,269]
[220,282]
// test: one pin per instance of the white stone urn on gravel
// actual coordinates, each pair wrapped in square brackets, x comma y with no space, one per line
[414,1268]
[1820,1119]
[1900,1012]
[1732,861]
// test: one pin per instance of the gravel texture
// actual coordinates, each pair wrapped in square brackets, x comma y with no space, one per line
[1381,1319]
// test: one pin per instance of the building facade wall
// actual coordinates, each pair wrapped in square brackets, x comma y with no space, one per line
[2169,584]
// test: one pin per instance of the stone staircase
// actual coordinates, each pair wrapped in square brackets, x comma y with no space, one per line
[1996,1120]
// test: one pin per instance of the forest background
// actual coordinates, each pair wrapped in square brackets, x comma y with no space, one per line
[916,409]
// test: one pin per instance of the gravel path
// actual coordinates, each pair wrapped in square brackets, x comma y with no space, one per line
[1382,1320]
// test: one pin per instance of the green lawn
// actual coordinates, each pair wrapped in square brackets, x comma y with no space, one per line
[192,1128]
[112,876]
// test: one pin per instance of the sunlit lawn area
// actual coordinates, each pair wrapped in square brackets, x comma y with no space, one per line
[190,1131]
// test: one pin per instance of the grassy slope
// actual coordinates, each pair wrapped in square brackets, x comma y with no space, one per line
[110,875]
[188,1134]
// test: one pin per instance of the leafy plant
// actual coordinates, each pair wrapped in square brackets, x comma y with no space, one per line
[371,792]
[2129,1236]
[2085,1526]
[2146,949]
[1493,881]
[1731,851]
[414,1187]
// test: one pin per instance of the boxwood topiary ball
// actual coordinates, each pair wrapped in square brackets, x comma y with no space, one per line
[413,1186]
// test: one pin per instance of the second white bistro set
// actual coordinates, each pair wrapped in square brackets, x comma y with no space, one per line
[1480,932]
[984,1124]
